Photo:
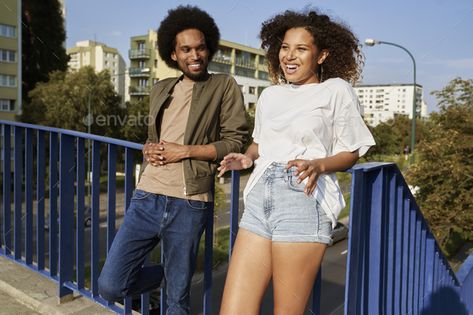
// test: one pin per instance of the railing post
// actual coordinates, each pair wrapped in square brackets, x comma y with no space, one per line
[208,259]
[66,217]
[95,219]
[53,185]
[80,191]
[29,196]
[40,195]
[18,179]
[234,205]
[7,189]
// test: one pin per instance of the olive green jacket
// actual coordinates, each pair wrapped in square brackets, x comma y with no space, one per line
[216,116]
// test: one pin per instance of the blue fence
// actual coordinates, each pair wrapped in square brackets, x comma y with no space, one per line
[394,263]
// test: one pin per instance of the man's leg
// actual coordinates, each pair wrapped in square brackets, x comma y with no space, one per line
[181,234]
[123,273]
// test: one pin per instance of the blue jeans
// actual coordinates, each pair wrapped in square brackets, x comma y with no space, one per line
[179,223]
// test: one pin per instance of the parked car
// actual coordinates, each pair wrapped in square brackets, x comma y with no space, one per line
[339,233]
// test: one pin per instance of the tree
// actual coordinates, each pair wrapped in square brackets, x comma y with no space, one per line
[444,169]
[43,38]
[393,136]
[64,100]
[136,128]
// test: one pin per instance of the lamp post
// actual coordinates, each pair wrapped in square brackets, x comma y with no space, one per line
[372,42]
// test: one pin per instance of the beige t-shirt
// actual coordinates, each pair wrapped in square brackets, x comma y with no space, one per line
[168,179]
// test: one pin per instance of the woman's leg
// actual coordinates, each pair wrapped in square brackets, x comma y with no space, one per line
[248,274]
[295,267]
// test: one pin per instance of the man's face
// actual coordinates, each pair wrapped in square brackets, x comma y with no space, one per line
[191,54]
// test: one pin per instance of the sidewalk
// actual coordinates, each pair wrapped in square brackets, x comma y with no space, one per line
[23,291]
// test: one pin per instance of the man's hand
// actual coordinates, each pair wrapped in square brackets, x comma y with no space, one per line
[164,152]
[170,152]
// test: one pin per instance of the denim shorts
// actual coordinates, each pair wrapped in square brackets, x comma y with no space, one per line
[278,209]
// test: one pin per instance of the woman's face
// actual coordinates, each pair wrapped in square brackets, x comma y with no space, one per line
[298,56]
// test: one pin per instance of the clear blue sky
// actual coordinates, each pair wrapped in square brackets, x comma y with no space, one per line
[437,32]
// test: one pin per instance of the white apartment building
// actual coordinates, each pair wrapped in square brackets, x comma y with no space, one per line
[100,57]
[381,102]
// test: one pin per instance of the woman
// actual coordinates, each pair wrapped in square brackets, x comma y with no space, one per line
[307,127]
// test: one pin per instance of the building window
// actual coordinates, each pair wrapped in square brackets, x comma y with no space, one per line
[7,105]
[7,80]
[141,45]
[260,89]
[251,105]
[252,90]
[7,55]
[262,60]
[263,75]
[7,31]
[244,72]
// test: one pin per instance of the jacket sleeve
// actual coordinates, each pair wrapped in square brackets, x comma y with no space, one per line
[233,124]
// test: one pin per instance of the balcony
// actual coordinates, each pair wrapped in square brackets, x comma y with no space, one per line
[222,59]
[139,53]
[245,63]
[139,90]
[137,72]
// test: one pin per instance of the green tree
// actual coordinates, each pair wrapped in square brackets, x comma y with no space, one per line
[64,101]
[43,38]
[137,121]
[444,167]
[393,136]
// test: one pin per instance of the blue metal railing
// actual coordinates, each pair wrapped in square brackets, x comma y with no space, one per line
[394,263]
[58,159]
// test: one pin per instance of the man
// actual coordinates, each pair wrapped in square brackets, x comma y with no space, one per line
[196,120]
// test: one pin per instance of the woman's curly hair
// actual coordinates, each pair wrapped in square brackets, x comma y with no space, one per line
[181,19]
[345,59]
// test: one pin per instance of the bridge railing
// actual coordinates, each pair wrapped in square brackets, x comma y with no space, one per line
[395,265]
[44,208]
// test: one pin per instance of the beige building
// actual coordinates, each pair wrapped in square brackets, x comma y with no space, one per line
[247,65]
[381,102]
[100,57]
[10,59]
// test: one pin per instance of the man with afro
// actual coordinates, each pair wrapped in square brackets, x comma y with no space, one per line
[196,119]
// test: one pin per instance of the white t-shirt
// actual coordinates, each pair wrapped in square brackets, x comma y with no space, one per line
[309,121]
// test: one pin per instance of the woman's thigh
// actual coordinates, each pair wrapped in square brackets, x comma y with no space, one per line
[295,267]
[248,274]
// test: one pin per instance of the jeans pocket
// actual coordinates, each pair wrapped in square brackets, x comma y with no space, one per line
[140,194]
[294,185]
[197,204]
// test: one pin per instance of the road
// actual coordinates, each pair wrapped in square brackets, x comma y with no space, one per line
[333,285]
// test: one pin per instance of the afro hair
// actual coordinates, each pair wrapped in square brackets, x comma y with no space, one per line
[345,59]
[184,18]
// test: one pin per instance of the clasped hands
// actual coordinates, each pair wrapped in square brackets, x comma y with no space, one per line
[163,152]
[310,169]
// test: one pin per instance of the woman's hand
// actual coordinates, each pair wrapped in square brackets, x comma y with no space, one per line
[234,162]
[310,169]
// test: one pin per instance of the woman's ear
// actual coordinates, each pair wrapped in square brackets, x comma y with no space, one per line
[322,56]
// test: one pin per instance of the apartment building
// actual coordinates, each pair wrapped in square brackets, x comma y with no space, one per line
[381,102]
[100,57]
[10,59]
[246,64]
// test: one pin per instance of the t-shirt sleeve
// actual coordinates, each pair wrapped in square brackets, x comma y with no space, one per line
[257,128]
[351,132]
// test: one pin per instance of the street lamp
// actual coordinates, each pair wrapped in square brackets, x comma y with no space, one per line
[372,42]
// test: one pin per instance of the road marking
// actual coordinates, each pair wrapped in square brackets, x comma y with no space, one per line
[344,252]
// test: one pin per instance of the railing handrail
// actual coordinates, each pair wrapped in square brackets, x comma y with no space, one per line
[79,134]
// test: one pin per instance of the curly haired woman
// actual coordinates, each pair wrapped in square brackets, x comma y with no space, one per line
[308,126]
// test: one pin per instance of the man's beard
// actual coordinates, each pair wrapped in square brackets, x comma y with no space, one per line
[196,76]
